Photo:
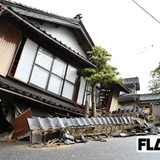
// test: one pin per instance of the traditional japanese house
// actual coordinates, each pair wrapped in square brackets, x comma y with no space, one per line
[41,58]
[128,101]
[148,102]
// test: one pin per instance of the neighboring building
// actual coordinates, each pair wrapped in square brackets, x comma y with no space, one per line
[128,101]
[42,56]
[109,96]
[149,102]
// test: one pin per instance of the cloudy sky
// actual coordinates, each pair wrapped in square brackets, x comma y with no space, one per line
[119,26]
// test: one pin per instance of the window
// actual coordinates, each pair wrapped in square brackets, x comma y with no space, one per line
[24,60]
[53,74]
[55,84]
[57,76]
[68,90]
[59,67]
[39,76]
[71,74]
[43,60]
[81,91]
[41,69]
[37,66]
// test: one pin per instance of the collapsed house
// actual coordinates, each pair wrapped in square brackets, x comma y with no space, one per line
[42,56]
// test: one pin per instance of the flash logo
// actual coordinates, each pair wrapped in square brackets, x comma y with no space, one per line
[147,144]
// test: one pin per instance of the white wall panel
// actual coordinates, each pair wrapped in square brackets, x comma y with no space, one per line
[81,91]
[26,61]
[64,35]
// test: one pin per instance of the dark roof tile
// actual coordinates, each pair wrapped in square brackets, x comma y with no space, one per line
[22,89]
[132,81]
[57,41]
[19,7]
[129,97]
[149,97]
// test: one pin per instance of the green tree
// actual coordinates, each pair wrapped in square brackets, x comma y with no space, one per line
[154,83]
[103,73]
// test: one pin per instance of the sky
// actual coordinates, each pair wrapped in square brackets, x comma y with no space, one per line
[129,34]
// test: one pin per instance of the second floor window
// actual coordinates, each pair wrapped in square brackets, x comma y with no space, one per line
[53,74]
[37,66]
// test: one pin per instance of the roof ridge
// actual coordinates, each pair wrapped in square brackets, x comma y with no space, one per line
[47,34]
[20,5]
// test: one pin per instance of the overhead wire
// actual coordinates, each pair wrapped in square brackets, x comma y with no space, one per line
[146,11]
[150,16]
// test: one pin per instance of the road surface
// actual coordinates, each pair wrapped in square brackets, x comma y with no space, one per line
[112,149]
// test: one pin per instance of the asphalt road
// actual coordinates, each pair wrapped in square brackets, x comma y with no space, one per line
[112,149]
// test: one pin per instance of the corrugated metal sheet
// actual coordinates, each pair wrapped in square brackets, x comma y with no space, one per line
[76,126]
[9,39]
[54,123]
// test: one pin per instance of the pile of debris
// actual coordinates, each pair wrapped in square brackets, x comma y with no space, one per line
[66,137]
[18,130]
[57,131]
[141,127]
[45,129]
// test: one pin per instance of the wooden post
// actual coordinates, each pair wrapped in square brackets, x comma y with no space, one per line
[94,112]
[86,113]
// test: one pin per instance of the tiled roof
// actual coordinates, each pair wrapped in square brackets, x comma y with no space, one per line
[50,17]
[140,97]
[132,81]
[26,25]
[56,122]
[127,111]
[119,86]
[149,97]
[40,14]
[128,98]
[19,89]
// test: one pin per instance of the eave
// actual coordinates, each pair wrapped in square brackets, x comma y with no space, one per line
[44,39]
[117,86]
[74,24]
[122,88]
[20,90]
[129,98]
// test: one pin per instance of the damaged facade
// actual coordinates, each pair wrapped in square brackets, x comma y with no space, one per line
[42,56]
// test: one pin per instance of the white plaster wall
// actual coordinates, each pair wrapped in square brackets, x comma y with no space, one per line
[81,91]
[26,61]
[62,34]
[114,101]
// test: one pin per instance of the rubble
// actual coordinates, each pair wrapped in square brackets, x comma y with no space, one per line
[18,130]
[52,132]
[5,126]
[75,126]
